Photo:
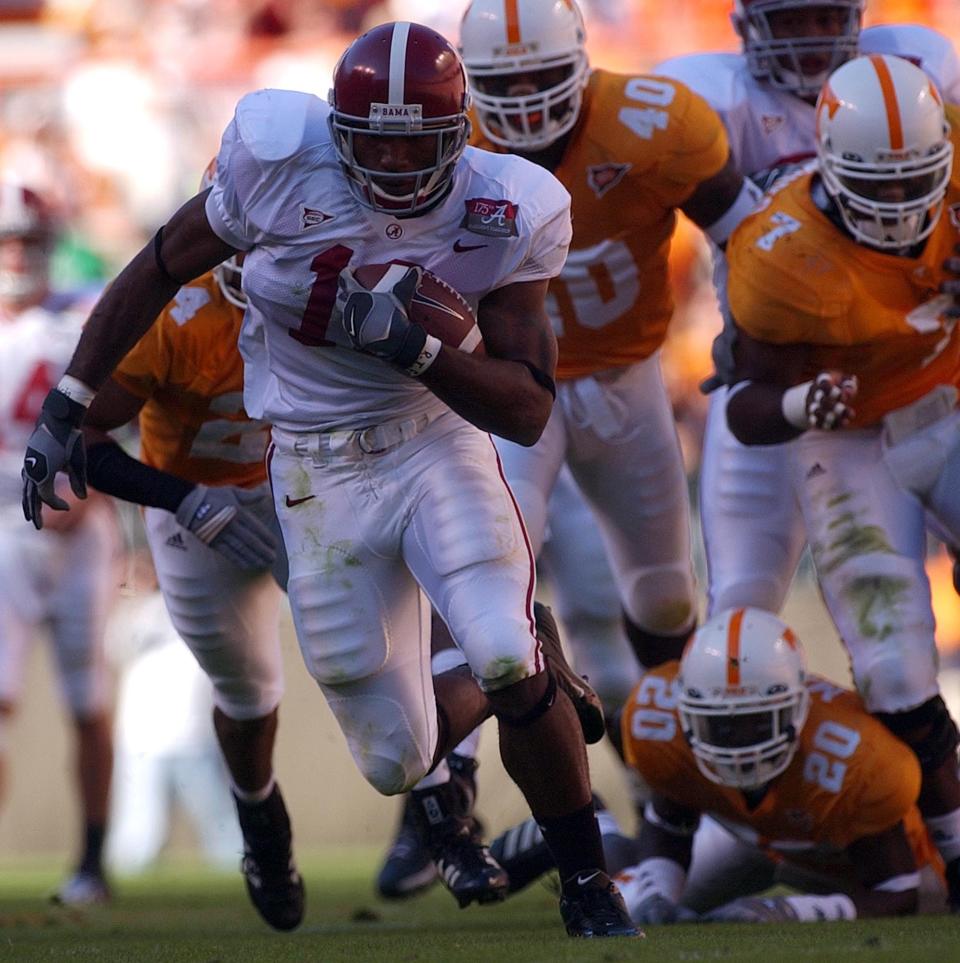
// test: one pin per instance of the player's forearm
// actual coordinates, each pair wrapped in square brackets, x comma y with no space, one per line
[112,471]
[499,396]
[120,318]
[755,414]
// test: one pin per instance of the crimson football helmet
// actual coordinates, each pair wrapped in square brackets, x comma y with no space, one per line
[25,267]
[229,274]
[800,57]
[399,117]
[742,697]
[527,64]
[884,150]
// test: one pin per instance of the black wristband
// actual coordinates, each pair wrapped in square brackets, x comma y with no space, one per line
[540,376]
[112,471]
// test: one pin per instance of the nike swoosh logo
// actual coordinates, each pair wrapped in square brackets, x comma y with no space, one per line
[292,502]
[461,248]
[30,461]
[583,880]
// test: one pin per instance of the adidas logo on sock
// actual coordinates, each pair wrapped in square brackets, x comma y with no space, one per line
[176,541]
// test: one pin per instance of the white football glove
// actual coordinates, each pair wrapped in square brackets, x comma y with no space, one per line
[225,518]
[376,322]
[753,909]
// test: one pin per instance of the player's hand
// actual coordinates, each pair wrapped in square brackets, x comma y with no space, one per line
[951,285]
[829,402]
[659,910]
[753,909]
[56,445]
[224,518]
[376,322]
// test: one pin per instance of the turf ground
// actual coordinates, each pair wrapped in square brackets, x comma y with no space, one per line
[188,915]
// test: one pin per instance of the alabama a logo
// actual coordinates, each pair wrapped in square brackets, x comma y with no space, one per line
[491,218]
[604,177]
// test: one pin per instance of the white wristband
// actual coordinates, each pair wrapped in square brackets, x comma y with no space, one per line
[745,203]
[814,909]
[793,405]
[428,354]
[76,390]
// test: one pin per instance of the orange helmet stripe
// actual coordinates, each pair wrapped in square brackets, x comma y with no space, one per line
[894,122]
[513,21]
[733,648]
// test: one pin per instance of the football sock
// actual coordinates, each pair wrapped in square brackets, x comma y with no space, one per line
[575,844]
[93,848]
[257,796]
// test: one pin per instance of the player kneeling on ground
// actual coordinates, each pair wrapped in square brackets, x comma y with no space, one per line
[761,775]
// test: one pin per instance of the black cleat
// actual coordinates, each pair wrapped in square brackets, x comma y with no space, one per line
[454,840]
[408,868]
[595,908]
[584,699]
[273,883]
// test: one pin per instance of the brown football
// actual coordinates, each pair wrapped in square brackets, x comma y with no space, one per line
[441,309]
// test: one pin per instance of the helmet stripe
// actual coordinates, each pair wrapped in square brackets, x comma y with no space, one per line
[398,63]
[513,21]
[894,122]
[733,647]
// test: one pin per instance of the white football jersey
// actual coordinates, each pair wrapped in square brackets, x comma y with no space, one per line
[280,194]
[35,348]
[769,127]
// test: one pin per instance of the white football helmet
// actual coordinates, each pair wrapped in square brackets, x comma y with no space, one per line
[527,67]
[27,220]
[795,61]
[884,150]
[743,697]
[229,274]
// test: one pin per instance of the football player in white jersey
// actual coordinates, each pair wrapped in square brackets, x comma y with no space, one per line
[752,531]
[62,580]
[388,489]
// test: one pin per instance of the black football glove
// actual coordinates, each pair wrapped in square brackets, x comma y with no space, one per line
[56,445]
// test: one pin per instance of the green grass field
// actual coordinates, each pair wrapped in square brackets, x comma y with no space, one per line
[176,915]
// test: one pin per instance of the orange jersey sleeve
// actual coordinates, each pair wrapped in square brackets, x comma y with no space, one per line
[188,369]
[850,777]
[642,146]
[796,280]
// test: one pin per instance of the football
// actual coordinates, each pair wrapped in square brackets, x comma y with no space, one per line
[437,306]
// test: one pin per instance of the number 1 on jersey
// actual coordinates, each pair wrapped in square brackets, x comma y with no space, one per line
[313,325]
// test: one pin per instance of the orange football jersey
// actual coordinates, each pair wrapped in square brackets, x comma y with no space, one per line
[189,370]
[797,280]
[640,149]
[850,777]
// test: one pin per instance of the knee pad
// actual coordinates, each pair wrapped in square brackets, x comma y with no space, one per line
[382,741]
[653,649]
[511,705]
[928,730]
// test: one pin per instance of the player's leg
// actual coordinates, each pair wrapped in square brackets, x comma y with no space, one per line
[723,868]
[868,538]
[229,620]
[477,567]
[139,812]
[753,532]
[625,456]
[86,589]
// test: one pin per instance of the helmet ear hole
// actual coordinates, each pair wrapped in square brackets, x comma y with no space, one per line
[742,697]
[527,73]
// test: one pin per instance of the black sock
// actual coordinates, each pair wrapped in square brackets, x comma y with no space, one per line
[575,843]
[93,849]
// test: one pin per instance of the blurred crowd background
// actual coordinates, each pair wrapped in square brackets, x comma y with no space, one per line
[111,109]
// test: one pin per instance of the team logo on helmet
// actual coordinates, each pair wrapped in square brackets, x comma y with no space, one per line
[605,177]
